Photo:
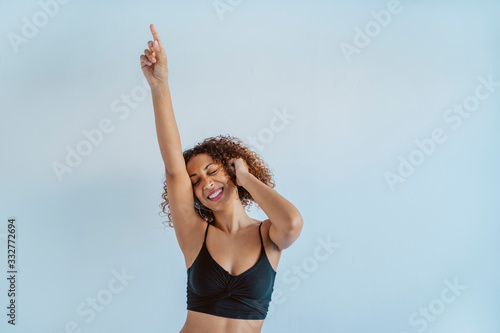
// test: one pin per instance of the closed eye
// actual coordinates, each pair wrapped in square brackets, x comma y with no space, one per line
[211,173]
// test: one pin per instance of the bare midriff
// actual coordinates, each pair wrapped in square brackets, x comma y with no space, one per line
[199,322]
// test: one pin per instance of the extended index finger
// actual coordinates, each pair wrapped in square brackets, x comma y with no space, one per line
[155,34]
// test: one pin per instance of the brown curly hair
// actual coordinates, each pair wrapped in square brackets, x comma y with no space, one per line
[222,149]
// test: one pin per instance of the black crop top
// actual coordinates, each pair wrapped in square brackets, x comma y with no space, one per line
[211,289]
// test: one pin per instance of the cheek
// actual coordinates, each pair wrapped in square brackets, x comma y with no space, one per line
[197,192]
[225,179]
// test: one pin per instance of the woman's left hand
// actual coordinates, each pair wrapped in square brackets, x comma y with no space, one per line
[240,169]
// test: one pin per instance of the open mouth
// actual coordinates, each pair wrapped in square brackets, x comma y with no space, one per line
[216,194]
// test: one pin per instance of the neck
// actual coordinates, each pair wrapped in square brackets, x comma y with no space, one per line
[232,218]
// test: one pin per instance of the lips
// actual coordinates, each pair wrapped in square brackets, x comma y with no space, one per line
[214,191]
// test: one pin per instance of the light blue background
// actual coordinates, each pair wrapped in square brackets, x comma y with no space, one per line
[352,120]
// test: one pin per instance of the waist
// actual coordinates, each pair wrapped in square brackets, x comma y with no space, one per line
[202,322]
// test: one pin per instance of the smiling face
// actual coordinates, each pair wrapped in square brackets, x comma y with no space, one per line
[211,184]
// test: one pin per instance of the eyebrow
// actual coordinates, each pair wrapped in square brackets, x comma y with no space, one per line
[194,174]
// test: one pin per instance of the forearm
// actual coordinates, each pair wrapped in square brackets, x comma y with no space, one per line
[166,129]
[279,210]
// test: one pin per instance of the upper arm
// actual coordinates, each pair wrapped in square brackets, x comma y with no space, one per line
[181,202]
[284,238]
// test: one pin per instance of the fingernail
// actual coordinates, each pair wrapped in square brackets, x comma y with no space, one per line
[156,43]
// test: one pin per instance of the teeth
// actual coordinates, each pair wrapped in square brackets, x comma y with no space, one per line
[215,194]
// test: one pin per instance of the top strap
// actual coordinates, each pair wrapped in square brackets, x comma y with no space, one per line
[206,231]
[260,234]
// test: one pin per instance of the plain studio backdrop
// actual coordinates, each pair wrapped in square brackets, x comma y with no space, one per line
[379,119]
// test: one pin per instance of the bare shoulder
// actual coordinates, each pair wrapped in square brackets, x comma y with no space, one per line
[282,238]
[273,252]
[268,243]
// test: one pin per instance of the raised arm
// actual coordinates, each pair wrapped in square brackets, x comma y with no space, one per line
[154,67]
[187,224]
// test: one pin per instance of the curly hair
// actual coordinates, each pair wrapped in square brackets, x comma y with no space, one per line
[222,149]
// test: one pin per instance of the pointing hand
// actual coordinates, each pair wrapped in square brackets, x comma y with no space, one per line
[154,61]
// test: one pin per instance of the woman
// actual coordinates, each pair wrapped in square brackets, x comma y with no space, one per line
[231,259]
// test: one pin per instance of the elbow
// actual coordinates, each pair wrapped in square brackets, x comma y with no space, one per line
[285,233]
[297,222]
[295,227]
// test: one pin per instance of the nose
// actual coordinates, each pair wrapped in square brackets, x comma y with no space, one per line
[208,184]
